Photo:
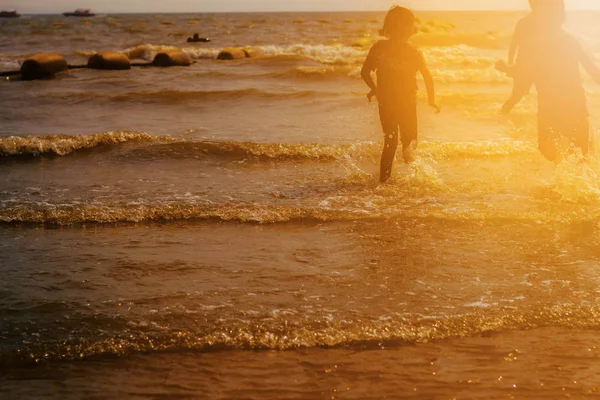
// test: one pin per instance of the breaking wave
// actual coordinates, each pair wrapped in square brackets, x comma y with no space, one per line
[176,147]
[147,336]
[67,144]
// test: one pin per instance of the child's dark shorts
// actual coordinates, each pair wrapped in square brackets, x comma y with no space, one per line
[400,117]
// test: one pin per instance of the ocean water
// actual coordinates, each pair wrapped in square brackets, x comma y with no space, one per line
[218,231]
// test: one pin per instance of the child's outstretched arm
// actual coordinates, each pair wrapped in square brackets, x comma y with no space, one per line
[515,42]
[589,65]
[514,46]
[429,85]
[369,66]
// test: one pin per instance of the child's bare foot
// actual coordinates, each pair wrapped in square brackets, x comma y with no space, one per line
[508,106]
[409,153]
[384,177]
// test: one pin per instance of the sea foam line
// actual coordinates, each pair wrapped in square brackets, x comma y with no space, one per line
[66,144]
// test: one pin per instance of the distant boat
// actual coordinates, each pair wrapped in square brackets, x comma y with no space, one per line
[9,14]
[80,12]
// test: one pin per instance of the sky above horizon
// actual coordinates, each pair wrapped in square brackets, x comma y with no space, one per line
[145,6]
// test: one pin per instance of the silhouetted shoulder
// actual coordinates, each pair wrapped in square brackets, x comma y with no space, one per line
[525,22]
[525,29]
[412,47]
[570,39]
[372,61]
[417,55]
[378,47]
[406,49]
[388,54]
[569,44]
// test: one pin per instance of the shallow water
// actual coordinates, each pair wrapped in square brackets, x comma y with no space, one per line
[217,231]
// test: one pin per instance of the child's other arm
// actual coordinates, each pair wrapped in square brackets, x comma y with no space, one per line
[369,66]
[512,50]
[429,85]
[515,42]
[589,65]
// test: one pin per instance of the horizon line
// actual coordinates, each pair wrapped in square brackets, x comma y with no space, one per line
[99,13]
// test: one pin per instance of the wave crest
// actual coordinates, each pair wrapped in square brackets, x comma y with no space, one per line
[176,147]
[269,334]
[173,96]
[147,51]
[66,144]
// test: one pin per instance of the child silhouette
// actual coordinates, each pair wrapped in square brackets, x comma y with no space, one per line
[524,39]
[397,63]
[553,65]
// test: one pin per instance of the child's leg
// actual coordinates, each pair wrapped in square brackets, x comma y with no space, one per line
[389,123]
[557,134]
[548,146]
[512,101]
[387,155]
[408,152]
[409,129]
[547,139]
[580,137]
[521,87]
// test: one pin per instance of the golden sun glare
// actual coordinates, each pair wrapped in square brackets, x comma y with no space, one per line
[583,4]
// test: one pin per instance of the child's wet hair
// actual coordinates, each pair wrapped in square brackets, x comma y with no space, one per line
[537,4]
[397,18]
[556,9]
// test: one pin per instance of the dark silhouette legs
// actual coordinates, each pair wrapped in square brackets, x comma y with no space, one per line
[387,156]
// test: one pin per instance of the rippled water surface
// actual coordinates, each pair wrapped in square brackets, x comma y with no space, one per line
[218,230]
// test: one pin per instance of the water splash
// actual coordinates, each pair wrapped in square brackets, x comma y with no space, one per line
[577,178]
